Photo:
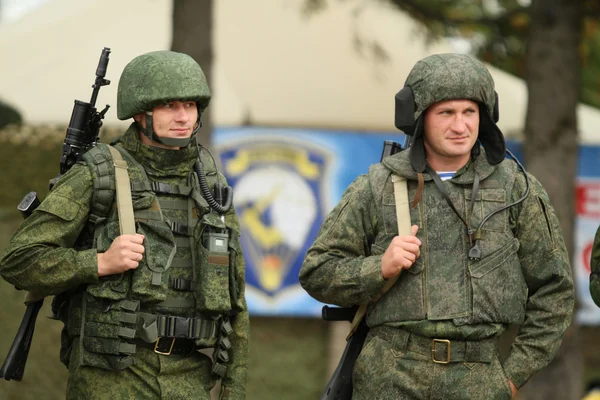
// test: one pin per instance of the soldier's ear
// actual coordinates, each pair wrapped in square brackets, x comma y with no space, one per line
[139,118]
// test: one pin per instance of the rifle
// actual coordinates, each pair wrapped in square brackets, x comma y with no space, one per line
[339,386]
[82,134]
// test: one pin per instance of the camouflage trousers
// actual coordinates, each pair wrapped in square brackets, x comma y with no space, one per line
[392,369]
[153,376]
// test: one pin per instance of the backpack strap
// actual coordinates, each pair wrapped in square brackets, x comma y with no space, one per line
[404,229]
[110,180]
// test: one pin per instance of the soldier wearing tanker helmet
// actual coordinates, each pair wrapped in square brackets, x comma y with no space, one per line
[486,251]
[160,313]
[595,267]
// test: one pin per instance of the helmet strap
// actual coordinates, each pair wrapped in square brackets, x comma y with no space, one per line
[175,142]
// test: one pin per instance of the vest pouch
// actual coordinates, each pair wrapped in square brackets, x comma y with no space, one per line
[499,289]
[112,287]
[237,302]
[212,291]
[102,329]
[149,282]
[405,301]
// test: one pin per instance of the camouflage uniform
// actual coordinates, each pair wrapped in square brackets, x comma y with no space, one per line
[445,301]
[51,255]
[595,266]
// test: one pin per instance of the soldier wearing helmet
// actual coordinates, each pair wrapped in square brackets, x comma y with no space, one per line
[486,250]
[595,269]
[161,313]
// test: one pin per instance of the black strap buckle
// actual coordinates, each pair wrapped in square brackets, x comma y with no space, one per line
[160,187]
[180,229]
[178,327]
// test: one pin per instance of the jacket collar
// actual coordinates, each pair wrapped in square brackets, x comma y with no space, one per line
[400,165]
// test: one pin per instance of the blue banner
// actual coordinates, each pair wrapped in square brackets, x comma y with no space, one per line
[285,182]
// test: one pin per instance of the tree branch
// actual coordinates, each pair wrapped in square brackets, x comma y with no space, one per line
[423,13]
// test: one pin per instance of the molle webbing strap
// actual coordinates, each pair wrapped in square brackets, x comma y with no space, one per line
[108,346]
[404,229]
[181,229]
[160,187]
[124,202]
[182,284]
[191,328]
[152,326]
[182,241]
[221,354]
[98,160]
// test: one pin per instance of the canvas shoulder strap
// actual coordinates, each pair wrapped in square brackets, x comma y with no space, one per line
[123,197]
[123,194]
[403,216]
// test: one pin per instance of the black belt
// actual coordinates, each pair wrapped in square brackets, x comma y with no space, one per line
[168,346]
[443,351]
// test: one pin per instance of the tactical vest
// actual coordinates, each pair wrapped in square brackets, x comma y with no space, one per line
[179,290]
[489,290]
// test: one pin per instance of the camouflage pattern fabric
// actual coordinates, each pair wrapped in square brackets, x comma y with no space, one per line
[405,374]
[523,277]
[152,377]
[450,76]
[45,256]
[595,266]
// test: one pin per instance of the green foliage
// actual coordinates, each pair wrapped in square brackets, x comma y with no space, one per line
[590,73]
[9,115]
[497,30]
[288,358]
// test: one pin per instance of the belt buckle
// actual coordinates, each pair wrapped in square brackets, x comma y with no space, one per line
[447,360]
[168,353]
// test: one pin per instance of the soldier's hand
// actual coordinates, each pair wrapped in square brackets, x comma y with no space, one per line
[400,254]
[513,388]
[125,253]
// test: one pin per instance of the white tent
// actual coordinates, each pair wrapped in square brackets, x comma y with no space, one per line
[273,65]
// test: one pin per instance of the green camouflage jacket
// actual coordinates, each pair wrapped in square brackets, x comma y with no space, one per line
[45,255]
[523,277]
[595,266]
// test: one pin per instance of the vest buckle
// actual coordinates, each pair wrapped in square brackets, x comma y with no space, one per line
[161,351]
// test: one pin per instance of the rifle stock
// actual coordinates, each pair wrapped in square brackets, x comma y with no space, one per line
[14,365]
[339,386]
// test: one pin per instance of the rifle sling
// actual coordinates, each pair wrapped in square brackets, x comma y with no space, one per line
[123,189]
[404,229]
[124,207]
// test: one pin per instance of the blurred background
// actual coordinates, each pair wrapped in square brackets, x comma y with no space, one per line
[303,101]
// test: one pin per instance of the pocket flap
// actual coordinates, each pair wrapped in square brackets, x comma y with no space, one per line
[213,219]
[497,195]
[61,206]
[495,259]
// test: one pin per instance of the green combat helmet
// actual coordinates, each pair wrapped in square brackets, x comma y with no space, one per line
[157,78]
[442,77]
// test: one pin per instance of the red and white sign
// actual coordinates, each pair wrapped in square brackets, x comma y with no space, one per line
[586,225]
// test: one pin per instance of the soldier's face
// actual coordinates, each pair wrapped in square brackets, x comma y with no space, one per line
[176,120]
[451,129]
